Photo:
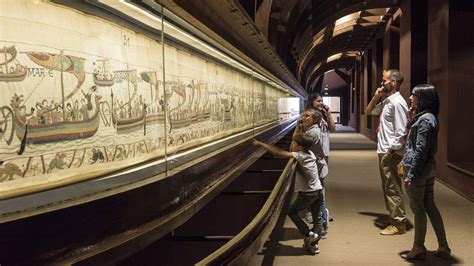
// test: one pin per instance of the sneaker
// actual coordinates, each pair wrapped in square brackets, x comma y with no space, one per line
[311,239]
[316,249]
[312,249]
[324,234]
[393,230]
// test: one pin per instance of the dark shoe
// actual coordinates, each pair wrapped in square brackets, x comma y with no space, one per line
[418,252]
[443,252]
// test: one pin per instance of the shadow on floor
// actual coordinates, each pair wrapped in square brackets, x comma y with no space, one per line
[290,234]
[284,250]
[274,246]
[281,233]
[432,260]
[382,220]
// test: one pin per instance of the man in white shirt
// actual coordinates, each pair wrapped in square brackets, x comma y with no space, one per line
[393,111]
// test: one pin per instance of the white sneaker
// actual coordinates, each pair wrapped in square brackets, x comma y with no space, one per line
[313,249]
[316,249]
[311,239]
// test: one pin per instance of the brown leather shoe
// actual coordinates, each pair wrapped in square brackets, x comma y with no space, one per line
[417,252]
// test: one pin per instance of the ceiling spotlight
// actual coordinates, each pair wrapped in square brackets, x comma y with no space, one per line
[326,87]
[326,93]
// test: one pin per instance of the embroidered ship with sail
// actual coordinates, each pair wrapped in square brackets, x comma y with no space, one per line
[8,73]
[102,75]
[58,130]
[127,124]
[154,115]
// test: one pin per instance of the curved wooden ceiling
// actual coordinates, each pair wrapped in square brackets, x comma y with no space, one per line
[306,33]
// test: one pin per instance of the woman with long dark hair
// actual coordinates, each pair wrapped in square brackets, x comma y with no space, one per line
[419,170]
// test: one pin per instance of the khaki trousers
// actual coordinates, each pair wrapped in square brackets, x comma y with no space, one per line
[392,187]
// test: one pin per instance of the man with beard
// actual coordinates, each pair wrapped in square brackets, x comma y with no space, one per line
[393,111]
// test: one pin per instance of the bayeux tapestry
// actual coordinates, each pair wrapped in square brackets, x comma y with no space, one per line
[80,93]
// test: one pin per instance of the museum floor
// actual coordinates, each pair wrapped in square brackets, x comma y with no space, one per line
[355,201]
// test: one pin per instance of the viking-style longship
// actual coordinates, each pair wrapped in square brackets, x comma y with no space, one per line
[196,114]
[61,130]
[177,121]
[154,116]
[102,76]
[128,124]
[7,72]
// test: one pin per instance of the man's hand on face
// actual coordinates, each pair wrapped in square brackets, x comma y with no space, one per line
[379,91]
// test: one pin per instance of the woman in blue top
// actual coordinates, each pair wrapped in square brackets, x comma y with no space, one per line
[419,170]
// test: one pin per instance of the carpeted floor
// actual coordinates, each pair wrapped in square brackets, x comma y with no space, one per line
[354,198]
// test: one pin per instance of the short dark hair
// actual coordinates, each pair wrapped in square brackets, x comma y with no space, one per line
[396,75]
[304,140]
[311,98]
[428,99]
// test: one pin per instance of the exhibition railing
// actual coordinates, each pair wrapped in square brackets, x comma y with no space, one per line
[240,249]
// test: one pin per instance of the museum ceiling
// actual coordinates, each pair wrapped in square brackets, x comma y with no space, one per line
[302,38]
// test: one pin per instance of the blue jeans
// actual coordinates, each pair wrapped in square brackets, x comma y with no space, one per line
[312,202]
[324,214]
[421,194]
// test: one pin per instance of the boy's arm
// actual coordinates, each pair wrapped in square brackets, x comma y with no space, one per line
[274,150]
